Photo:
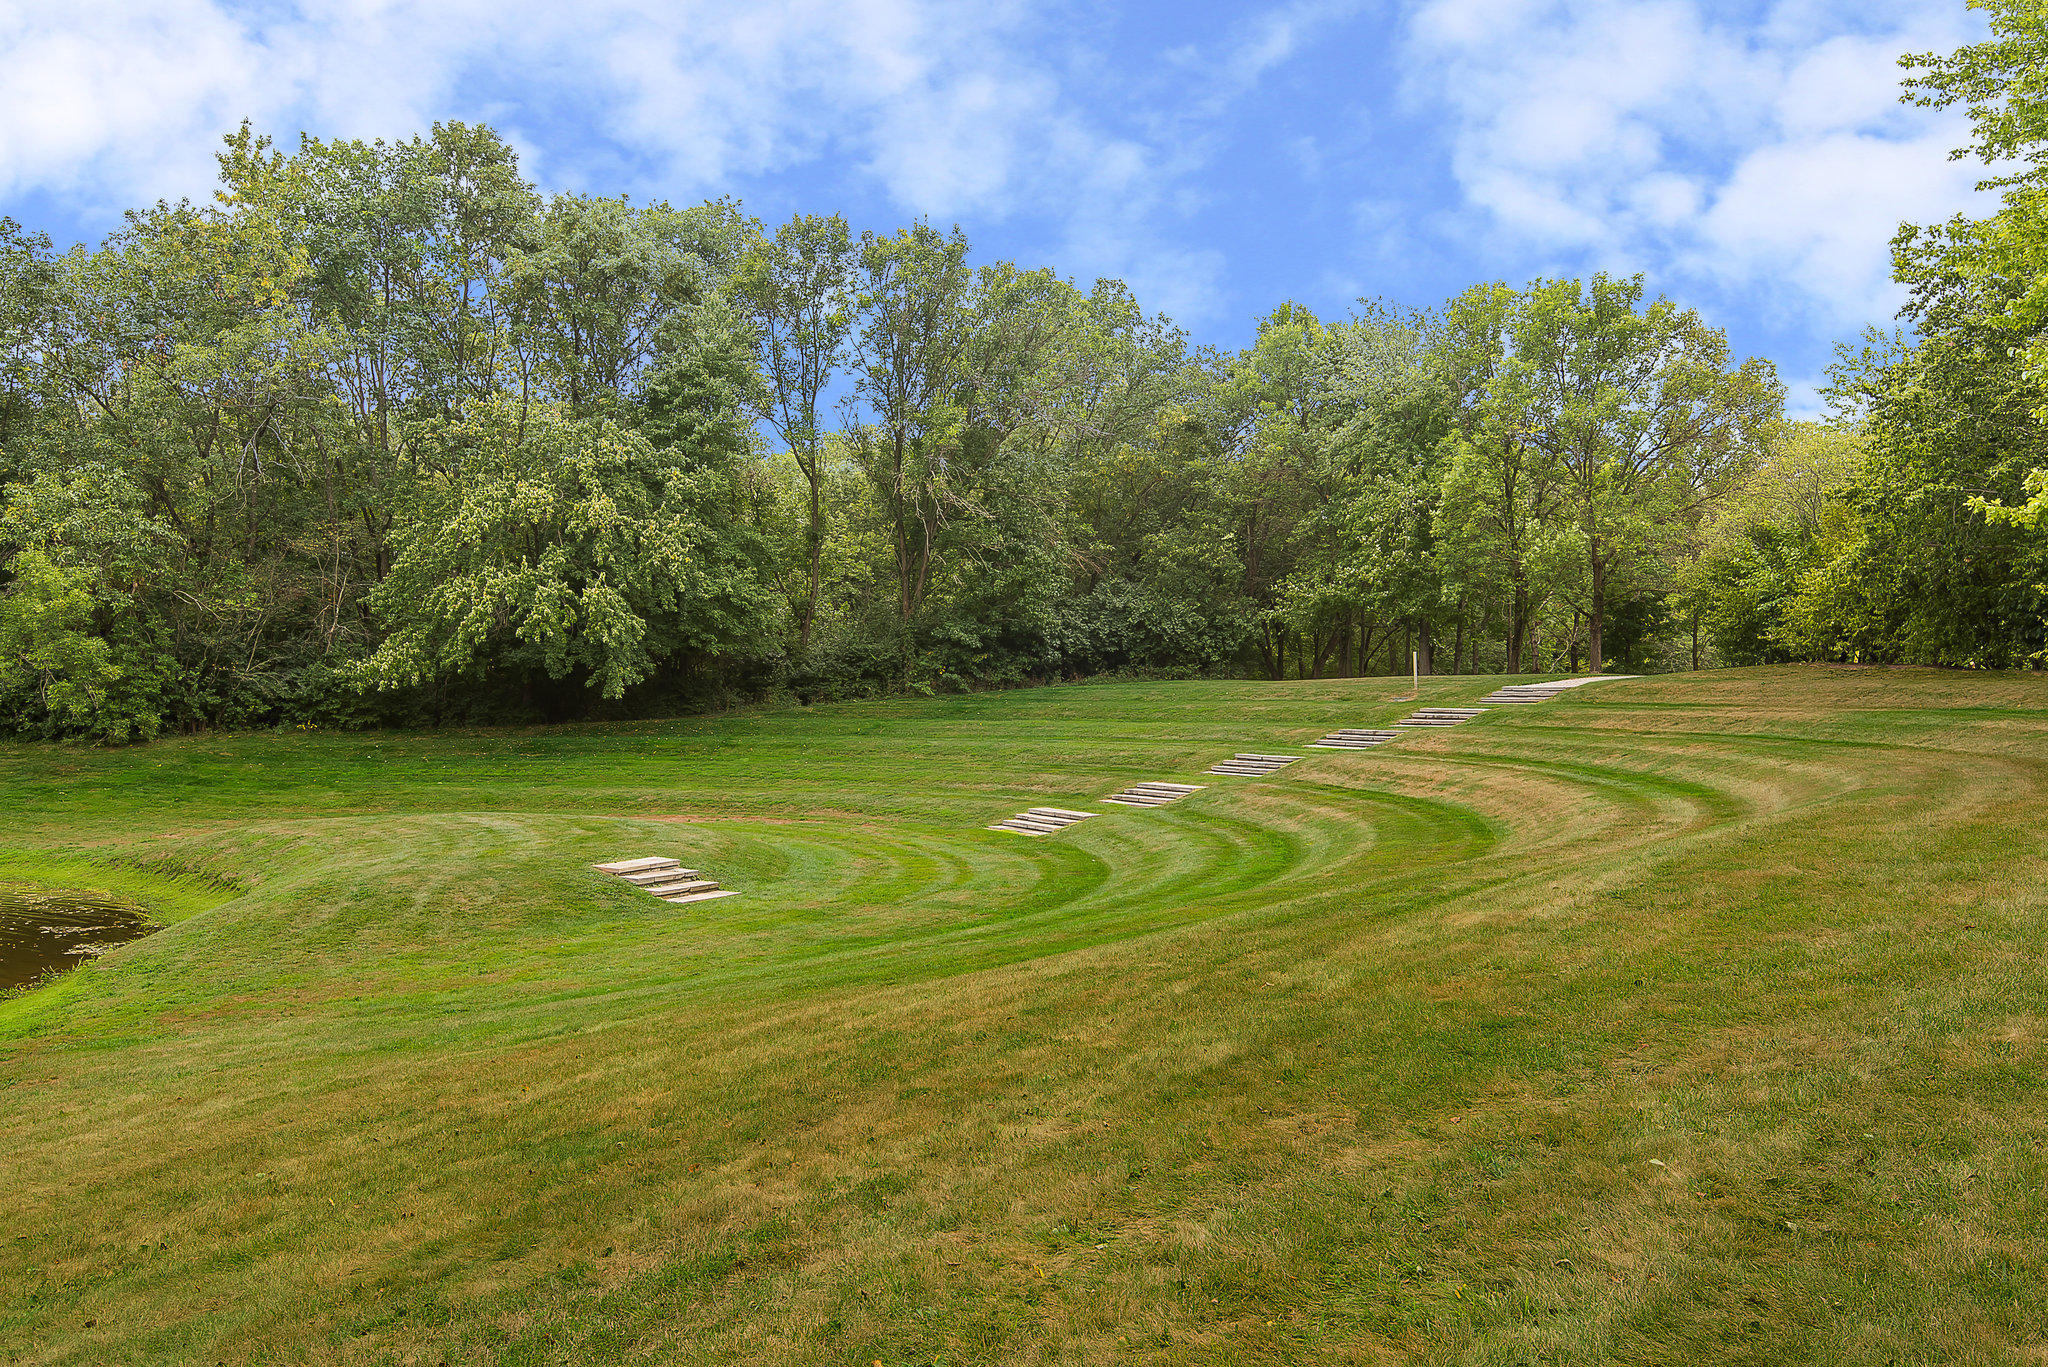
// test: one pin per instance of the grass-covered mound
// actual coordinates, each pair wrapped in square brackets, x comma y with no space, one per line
[1697,1018]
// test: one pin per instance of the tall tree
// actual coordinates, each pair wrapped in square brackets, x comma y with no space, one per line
[796,289]
[1502,489]
[910,378]
[573,548]
[1637,407]
[591,282]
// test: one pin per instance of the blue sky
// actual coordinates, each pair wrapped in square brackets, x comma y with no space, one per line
[1749,156]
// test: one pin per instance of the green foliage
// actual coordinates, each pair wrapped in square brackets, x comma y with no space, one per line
[796,291]
[380,435]
[1642,420]
[1596,431]
[1996,269]
[1760,573]
[53,663]
[1940,556]
[81,651]
[566,545]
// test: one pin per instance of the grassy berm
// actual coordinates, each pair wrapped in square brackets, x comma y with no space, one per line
[1682,1020]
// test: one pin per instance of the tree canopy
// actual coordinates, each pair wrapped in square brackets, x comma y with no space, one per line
[380,434]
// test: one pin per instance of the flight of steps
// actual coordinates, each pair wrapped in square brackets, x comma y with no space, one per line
[1253,766]
[1544,692]
[666,879]
[1441,716]
[1153,794]
[1041,821]
[1527,693]
[1352,738]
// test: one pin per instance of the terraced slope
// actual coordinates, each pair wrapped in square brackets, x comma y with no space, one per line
[1694,1018]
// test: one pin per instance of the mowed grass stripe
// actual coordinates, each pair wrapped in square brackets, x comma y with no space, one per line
[1365,1060]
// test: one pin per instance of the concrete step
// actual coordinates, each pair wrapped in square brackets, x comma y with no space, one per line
[1041,821]
[665,878]
[1152,794]
[626,866]
[1346,744]
[681,885]
[703,896]
[674,870]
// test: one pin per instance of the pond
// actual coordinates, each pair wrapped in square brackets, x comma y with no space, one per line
[42,932]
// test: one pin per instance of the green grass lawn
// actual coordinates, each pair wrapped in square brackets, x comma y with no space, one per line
[1690,1019]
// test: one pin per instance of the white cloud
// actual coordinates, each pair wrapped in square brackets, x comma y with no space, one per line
[118,90]
[1763,155]
[1766,153]
[944,109]
[126,95]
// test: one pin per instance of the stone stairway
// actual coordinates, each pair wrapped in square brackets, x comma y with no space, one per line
[1252,766]
[1544,692]
[666,879]
[1441,716]
[1041,821]
[1153,794]
[1527,693]
[1354,739]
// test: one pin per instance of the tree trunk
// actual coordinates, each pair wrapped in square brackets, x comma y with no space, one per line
[1597,610]
[902,533]
[1695,639]
[1323,656]
[817,554]
[1428,664]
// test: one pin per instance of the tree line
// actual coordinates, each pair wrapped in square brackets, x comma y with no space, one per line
[382,436]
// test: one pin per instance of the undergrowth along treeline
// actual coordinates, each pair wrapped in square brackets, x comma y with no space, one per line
[383,436]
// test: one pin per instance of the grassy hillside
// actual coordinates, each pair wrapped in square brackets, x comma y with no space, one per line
[1698,1018]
